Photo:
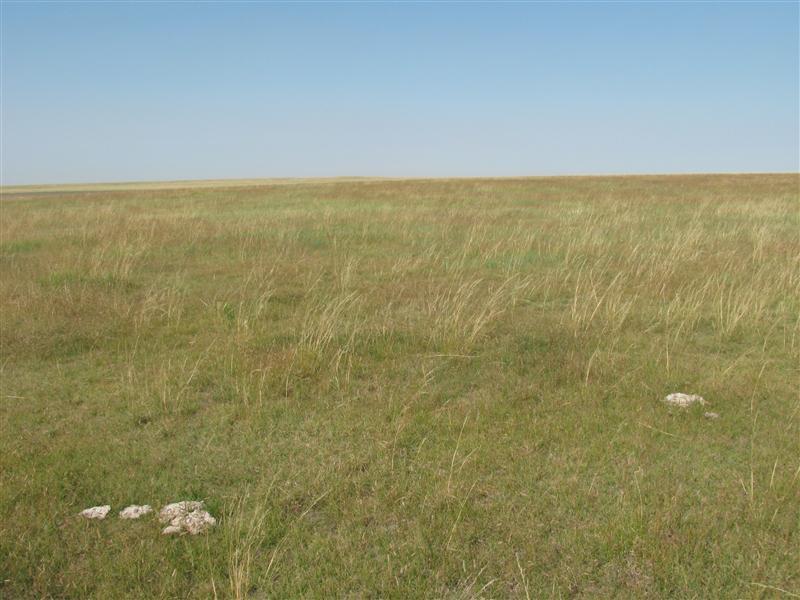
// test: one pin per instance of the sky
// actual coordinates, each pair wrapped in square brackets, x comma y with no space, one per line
[96,92]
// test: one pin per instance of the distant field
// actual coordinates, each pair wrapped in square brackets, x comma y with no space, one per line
[403,389]
[131,186]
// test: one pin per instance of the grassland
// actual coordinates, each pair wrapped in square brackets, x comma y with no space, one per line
[404,389]
[185,185]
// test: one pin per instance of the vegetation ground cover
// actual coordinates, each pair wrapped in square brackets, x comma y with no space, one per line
[441,388]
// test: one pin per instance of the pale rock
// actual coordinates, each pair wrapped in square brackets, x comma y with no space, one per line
[186,517]
[135,511]
[178,509]
[711,415]
[195,522]
[171,530]
[96,512]
[684,400]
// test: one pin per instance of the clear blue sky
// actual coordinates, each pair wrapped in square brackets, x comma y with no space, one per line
[109,92]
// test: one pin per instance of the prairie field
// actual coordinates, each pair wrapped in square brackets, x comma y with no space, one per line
[404,388]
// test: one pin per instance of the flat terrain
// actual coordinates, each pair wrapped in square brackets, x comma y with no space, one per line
[404,389]
[186,185]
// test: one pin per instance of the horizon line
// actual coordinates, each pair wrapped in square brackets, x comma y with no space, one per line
[156,184]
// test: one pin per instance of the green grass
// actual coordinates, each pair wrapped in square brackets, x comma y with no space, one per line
[438,389]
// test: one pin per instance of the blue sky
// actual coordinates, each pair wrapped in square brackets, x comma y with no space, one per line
[118,92]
